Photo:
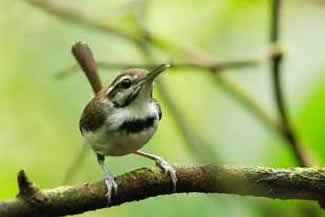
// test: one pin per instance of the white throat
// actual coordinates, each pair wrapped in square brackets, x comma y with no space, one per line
[137,110]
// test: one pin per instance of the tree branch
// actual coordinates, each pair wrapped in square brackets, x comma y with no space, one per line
[236,92]
[196,144]
[287,130]
[296,183]
[215,66]
[76,16]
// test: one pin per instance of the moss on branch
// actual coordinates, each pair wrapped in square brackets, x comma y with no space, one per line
[296,183]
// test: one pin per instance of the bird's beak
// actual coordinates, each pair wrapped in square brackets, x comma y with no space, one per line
[150,77]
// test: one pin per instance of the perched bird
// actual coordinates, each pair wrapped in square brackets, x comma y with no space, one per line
[121,118]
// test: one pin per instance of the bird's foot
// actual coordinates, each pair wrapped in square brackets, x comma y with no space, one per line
[168,169]
[111,186]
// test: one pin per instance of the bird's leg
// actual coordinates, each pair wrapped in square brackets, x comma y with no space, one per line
[168,169]
[109,179]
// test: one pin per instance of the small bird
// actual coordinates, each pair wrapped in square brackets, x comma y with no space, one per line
[121,118]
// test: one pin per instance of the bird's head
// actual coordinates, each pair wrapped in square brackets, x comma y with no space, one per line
[131,86]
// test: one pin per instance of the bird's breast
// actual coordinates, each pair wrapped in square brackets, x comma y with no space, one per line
[138,125]
[130,137]
[124,132]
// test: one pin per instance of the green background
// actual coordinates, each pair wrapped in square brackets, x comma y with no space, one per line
[39,114]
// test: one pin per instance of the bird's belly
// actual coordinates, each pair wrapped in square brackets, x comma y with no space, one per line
[117,143]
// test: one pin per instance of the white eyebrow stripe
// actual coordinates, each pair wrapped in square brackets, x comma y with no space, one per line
[124,77]
[121,77]
[118,81]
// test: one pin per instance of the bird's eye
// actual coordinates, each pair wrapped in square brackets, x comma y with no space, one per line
[126,83]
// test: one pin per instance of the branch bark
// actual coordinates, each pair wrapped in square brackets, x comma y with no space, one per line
[296,183]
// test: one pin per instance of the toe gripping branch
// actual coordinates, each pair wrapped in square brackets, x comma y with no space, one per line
[168,170]
[161,163]
[111,186]
[109,180]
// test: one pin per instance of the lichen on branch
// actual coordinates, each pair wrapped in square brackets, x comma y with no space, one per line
[295,183]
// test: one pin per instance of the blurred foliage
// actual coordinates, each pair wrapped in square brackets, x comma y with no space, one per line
[39,115]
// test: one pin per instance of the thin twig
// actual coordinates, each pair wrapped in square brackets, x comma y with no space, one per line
[236,92]
[276,61]
[75,164]
[76,16]
[199,148]
[216,66]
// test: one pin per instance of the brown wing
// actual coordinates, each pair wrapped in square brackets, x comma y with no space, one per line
[92,117]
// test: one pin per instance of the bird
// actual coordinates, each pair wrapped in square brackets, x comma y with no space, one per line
[122,117]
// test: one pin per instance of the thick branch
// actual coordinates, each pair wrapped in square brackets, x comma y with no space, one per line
[297,183]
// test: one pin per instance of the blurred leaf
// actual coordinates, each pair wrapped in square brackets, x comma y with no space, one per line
[312,119]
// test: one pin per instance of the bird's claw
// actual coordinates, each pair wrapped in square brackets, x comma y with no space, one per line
[111,186]
[168,169]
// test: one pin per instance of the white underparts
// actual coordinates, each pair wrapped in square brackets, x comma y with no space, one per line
[110,140]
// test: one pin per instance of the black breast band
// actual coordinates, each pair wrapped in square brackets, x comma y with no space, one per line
[137,125]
